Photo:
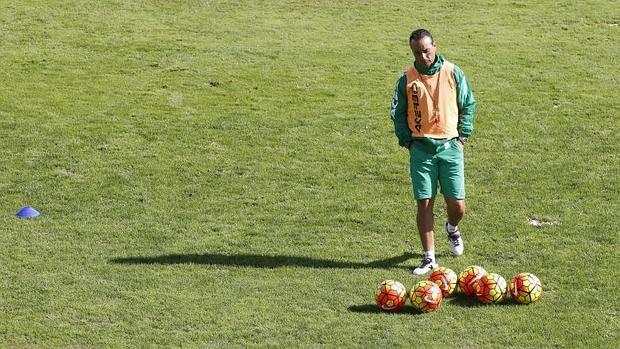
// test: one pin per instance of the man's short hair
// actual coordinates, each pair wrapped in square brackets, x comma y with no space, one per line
[419,34]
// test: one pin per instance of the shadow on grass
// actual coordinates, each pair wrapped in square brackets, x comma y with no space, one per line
[461,300]
[264,261]
[374,309]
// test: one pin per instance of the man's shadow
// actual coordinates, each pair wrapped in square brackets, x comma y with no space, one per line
[264,261]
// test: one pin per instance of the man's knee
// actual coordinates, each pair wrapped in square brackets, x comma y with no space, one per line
[425,205]
[457,206]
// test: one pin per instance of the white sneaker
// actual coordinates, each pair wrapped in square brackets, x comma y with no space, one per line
[425,266]
[456,243]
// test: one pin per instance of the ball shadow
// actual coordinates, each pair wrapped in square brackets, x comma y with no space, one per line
[461,300]
[374,309]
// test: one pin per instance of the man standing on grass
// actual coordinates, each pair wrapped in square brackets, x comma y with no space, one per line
[433,110]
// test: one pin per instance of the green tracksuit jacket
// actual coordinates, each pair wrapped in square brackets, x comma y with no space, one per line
[465,102]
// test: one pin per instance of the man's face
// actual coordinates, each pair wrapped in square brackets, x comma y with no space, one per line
[424,51]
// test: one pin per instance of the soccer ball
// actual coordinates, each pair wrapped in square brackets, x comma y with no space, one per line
[426,296]
[391,295]
[446,279]
[469,277]
[491,288]
[525,288]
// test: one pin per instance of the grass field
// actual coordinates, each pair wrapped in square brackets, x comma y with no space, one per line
[225,173]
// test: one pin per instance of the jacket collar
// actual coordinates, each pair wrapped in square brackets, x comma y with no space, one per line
[434,68]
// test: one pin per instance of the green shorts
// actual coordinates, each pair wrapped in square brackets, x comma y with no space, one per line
[432,164]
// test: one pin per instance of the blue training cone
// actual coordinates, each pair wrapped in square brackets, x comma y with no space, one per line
[27,212]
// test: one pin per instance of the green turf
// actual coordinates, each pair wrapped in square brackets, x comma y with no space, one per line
[225,174]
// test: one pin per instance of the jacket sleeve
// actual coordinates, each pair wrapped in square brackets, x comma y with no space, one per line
[466,103]
[399,112]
